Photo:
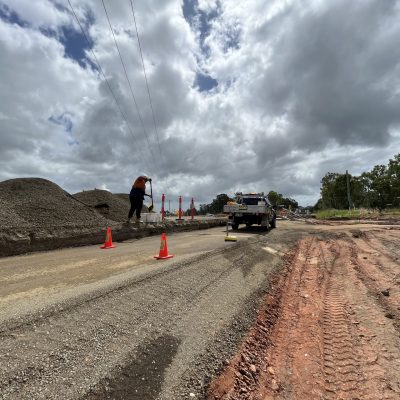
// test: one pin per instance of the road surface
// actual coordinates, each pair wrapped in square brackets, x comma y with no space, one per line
[305,311]
[86,323]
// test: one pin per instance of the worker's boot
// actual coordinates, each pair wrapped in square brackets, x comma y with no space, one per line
[138,220]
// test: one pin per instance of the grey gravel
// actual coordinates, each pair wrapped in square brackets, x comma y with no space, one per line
[162,336]
[27,202]
[111,206]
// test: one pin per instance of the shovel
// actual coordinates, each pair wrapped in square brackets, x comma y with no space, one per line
[151,195]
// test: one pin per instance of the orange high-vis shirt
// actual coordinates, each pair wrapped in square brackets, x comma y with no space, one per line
[140,183]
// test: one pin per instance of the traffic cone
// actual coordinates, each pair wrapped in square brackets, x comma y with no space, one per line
[108,244]
[163,249]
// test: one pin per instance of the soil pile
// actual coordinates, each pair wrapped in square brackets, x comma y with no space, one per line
[105,203]
[36,202]
[125,198]
[111,206]
[36,215]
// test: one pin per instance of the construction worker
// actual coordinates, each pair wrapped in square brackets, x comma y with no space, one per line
[136,196]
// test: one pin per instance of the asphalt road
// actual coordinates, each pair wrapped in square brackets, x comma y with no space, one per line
[86,323]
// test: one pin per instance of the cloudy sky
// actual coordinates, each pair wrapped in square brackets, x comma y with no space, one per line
[250,95]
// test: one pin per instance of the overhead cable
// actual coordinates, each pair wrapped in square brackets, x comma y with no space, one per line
[129,82]
[145,76]
[107,82]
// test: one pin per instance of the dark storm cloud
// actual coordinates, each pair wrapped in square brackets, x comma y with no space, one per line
[333,75]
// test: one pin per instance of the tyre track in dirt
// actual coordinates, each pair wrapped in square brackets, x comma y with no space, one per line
[332,333]
[342,366]
[380,273]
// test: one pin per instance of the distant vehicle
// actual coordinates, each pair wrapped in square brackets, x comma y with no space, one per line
[210,215]
[250,209]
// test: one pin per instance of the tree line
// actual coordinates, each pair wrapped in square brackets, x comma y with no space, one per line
[378,188]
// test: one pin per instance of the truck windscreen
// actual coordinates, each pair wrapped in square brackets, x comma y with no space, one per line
[251,201]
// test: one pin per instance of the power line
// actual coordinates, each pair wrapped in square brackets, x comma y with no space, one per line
[129,82]
[145,76]
[106,80]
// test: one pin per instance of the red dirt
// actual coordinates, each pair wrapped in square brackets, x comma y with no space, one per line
[330,326]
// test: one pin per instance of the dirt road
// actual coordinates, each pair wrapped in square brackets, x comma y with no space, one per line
[86,323]
[301,312]
[330,328]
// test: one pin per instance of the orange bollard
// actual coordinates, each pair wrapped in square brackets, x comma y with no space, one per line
[163,249]
[108,244]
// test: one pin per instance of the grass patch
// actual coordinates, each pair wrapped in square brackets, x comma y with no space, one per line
[393,211]
[362,213]
[346,214]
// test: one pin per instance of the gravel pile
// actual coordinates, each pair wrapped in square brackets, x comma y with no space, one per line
[111,206]
[123,196]
[36,202]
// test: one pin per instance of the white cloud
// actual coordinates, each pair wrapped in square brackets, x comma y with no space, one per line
[303,88]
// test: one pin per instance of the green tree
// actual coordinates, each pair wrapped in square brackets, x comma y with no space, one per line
[334,191]
[217,205]
[393,172]
[275,198]
[290,203]
[380,188]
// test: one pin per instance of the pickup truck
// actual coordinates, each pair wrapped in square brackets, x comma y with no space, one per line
[249,209]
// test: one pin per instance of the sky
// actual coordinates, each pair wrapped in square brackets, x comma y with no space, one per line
[251,96]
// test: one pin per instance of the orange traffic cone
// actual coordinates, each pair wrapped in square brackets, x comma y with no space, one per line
[163,249]
[108,244]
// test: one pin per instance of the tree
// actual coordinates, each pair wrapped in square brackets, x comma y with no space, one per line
[393,172]
[379,187]
[217,205]
[334,190]
[290,203]
[275,198]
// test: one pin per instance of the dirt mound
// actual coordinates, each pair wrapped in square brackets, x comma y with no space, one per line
[123,196]
[111,206]
[36,202]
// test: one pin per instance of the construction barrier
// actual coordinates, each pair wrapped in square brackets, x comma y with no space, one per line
[180,208]
[162,207]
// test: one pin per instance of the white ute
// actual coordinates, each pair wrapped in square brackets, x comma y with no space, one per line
[249,209]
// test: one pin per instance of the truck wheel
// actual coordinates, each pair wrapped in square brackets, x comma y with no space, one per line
[273,223]
[235,225]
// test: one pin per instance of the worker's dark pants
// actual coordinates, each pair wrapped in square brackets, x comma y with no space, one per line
[136,204]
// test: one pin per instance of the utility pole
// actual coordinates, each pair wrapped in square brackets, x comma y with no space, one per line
[348,189]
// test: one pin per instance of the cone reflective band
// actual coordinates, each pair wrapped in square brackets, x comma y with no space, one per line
[163,255]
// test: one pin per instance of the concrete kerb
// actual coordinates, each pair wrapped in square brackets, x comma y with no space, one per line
[21,241]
